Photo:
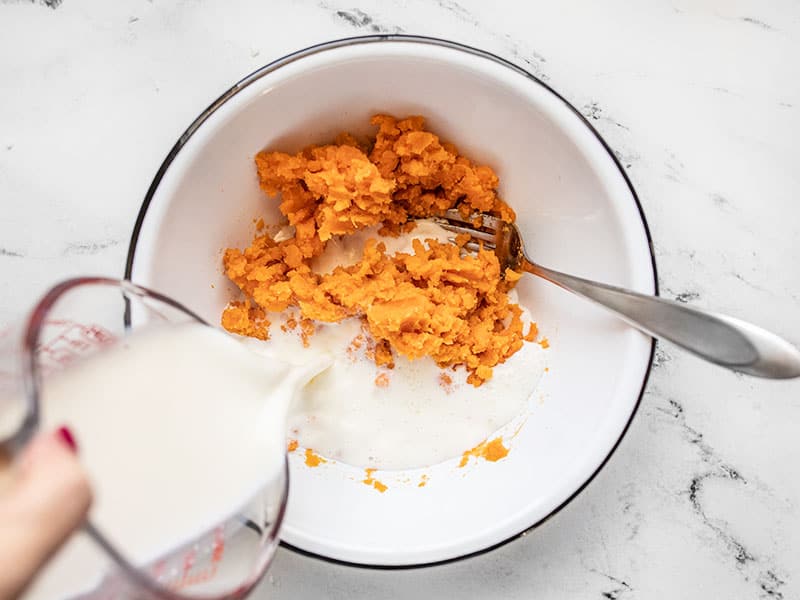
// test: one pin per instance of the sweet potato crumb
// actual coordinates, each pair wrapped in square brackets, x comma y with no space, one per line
[383,354]
[495,450]
[423,481]
[292,446]
[260,225]
[446,382]
[245,319]
[533,331]
[492,451]
[370,480]
[355,345]
[462,239]
[313,459]
[382,380]
[544,343]
[307,329]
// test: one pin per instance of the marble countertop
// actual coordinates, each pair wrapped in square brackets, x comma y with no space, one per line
[700,100]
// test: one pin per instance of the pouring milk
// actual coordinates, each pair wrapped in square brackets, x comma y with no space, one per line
[179,427]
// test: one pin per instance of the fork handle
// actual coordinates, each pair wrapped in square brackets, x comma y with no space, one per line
[720,339]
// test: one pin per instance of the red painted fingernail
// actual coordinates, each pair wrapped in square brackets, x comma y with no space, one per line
[66,436]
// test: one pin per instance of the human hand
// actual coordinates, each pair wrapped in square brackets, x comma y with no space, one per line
[44,497]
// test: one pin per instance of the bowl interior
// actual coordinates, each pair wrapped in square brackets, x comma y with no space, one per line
[577,214]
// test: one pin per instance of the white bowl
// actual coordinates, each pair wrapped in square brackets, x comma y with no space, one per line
[576,209]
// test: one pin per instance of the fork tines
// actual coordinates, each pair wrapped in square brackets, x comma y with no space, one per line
[486,232]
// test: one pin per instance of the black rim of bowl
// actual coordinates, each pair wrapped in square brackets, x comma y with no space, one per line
[269,68]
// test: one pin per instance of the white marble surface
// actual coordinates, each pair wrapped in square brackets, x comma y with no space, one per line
[700,99]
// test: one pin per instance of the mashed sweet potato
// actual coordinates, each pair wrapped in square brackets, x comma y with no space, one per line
[439,301]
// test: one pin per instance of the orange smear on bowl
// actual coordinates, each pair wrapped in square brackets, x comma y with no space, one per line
[533,331]
[313,459]
[370,480]
[446,382]
[492,451]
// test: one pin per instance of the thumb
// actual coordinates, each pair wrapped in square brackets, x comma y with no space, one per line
[45,497]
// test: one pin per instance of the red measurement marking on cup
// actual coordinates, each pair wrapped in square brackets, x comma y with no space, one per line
[191,579]
[159,569]
[188,560]
[198,567]
[219,545]
[73,341]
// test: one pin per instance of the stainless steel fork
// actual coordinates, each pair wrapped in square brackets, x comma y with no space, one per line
[718,338]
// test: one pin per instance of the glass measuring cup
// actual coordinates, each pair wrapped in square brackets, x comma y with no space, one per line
[73,321]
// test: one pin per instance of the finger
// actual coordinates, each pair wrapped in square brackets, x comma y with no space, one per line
[47,499]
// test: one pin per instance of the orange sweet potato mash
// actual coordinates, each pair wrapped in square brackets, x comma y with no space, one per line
[439,301]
